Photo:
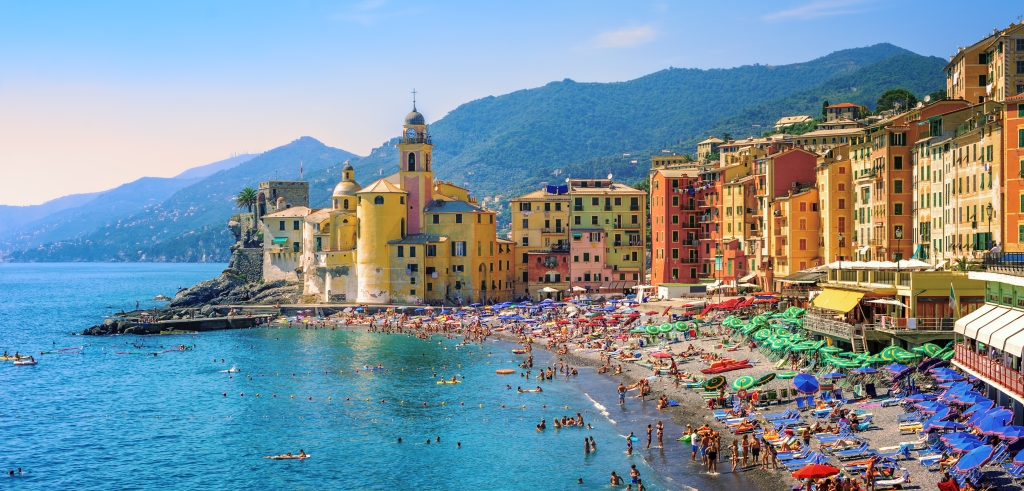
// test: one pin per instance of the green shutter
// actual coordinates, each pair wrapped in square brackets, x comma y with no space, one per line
[1020,110]
[1020,138]
[1020,233]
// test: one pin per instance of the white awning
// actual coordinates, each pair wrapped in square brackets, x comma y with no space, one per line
[862,249]
[1015,345]
[972,329]
[986,333]
[998,339]
[960,325]
[748,277]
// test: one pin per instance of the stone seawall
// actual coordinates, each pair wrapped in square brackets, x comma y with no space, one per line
[249,262]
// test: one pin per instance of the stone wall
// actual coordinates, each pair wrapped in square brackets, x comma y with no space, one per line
[249,262]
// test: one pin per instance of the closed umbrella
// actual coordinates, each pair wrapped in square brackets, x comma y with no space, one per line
[768,377]
[974,459]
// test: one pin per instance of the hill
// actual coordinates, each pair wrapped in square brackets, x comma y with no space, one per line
[189,225]
[210,169]
[13,217]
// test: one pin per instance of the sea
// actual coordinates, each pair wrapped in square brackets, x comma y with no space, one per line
[125,413]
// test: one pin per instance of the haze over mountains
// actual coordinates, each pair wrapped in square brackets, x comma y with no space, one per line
[499,147]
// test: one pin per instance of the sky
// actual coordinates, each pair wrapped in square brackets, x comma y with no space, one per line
[96,94]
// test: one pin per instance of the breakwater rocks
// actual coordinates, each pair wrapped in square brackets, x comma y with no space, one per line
[113,326]
[232,288]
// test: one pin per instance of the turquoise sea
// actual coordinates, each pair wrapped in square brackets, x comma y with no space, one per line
[104,420]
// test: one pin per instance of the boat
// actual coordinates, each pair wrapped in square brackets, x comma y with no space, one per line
[505,371]
[448,382]
[25,362]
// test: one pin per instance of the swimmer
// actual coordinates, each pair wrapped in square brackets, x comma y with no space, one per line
[458,444]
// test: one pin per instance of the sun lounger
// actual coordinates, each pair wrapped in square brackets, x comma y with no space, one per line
[908,428]
[909,417]
[801,405]
[893,483]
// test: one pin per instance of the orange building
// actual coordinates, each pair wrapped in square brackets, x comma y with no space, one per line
[1013,172]
[674,226]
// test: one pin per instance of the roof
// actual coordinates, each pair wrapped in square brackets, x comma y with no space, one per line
[505,241]
[415,117]
[676,172]
[712,139]
[844,104]
[614,188]
[963,52]
[804,276]
[791,120]
[419,239]
[318,215]
[836,132]
[295,211]
[382,186]
[542,195]
[442,206]
[1018,97]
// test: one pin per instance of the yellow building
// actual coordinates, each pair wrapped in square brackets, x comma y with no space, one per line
[835,195]
[794,230]
[405,238]
[967,72]
[540,224]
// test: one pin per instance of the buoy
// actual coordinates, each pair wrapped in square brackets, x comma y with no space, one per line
[291,397]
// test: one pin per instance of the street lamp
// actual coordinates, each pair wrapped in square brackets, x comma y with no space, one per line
[988,239]
[899,250]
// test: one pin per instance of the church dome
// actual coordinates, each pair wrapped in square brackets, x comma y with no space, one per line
[415,118]
[347,166]
[346,188]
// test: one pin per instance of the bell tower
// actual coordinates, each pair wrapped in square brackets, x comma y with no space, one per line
[415,170]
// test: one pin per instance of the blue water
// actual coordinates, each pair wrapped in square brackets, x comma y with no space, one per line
[103,420]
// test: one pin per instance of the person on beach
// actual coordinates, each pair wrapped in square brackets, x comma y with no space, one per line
[694,445]
[745,449]
[735,457]
[869,474]
[713,458]
[755,451]
[586,446]
[622,393]
[593,445]
[650,428]
[629,445]
[661,434]
[634,474]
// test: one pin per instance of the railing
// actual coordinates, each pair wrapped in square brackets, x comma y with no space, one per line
[1004,262]
[989,369]
[634,207]
[417,139]
[889,323]
[550,230]
[607,207]
[627,225]
[828,326]
[560,248]
[577,208]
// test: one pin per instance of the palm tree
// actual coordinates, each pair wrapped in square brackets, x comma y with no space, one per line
[246,199]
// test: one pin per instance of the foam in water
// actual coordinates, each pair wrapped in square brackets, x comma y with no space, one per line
[601,409]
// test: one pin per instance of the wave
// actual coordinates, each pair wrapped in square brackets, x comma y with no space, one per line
[601,409]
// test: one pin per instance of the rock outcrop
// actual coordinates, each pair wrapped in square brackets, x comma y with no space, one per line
[231,288]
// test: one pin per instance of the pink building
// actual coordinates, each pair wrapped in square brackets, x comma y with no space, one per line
[587,266]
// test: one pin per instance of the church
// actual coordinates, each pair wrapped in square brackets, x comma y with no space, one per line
[406,238]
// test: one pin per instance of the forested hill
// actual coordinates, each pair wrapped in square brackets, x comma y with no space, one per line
[510,143]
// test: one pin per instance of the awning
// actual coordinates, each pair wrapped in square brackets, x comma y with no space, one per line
[998,338]
[862,249]
[577,235]
[838,300]
[986,331]
[917,252]
[748,277]
[961,324]
[280,240]
[806,278]
[971,329]
[615,285]
[1015,344]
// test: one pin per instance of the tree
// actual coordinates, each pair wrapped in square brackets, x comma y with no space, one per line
[938,95]
[727,136]
[895,98]
[824,109]
[246,199]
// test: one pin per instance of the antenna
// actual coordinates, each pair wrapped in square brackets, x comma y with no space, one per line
[609,176]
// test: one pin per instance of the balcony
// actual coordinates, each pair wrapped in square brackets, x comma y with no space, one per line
[899,325]
[607,207]
[627,226]
[417,139]
[577,208]
[634,207]
[827,326]
[992,371]
[559,247]
[550,230]
[1004,262]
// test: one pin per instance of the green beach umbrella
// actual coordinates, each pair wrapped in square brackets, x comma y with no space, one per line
[665,328]
[768,377]
[931,349]
[652,329]
[714,383]
[743,383]
[787,375]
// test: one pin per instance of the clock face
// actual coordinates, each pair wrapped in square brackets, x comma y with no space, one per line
[410,133]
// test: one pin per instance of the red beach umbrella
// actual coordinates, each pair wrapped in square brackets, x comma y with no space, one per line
[661,354]
[651,312]
[815,471]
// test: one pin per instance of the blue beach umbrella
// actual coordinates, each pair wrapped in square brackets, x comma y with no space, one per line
[981,406]
[931,407]
[974,459]
[1019,458]
[833,375]
[920,398]
[478,304]
[958,436]
[1011,432]
[966,446]
[945,425]
[864,371]
[805,383]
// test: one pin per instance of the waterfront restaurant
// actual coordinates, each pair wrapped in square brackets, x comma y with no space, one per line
[990,340]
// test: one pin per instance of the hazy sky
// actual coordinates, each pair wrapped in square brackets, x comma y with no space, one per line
[95,94]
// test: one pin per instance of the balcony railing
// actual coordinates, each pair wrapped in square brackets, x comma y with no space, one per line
[417,139]
[634,207]
[989,369]
[1004,262]
[627,225]
[887,323]
[552,230]
[828,326]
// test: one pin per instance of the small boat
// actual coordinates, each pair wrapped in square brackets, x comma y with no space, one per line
[25,362]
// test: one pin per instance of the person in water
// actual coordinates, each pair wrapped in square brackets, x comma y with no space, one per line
[615,480]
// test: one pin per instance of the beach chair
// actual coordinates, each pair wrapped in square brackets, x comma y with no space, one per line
[773,396]
[901,451]
[783,394]
[826,396]
[787,414]
[1015,471]
[801,404]
[908,428]
[893,483]
[856,453]
[909,417]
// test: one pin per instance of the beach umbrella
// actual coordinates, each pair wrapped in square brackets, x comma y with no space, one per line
[665,328]
[1019,458]
[945,425]
[768,377]
[815,471]
[920,398]
[833,375]
[894,368]
[805,383]
[743,383]
[787,375]
[652,329]
[714,383]
[930,407]
[974,459]
[965,446]
[661,354]
[865,371]
[981,406]
[1011,432]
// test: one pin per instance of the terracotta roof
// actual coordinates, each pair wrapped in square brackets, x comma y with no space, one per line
[844,104]
[712,139]
[382,186]
[677,172]
[1018,97]
[295,211]
[792,120]
[615,188]
[318,216]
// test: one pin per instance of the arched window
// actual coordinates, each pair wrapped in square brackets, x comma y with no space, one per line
[335,204]
[378,200]
[412,162]
[345,204]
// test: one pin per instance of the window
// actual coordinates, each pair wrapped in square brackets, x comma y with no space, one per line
[675,218]
[431,250]
[344,204]
[1020,66]
[280,225]
[634,219]
[897,209]
[1020,233]
[430,287]
[547,206]
[842,186]
[675,201]
[295,247]
[1020,137]
[578,204]
[526,223]
[593,220]
[458,218]
[412,252]
[675,253]
[618,201]
[898,140]
[803,206]
[842,224]
[595,201]
[675,273]
[558,206]
[378,200]
[897,160]
[803,244]
[479,218]
[981,80]
[842,204]
[577,220]
[401,251]
[897,186]
[1020,44]
[526,241]
[401,200]
[412,162]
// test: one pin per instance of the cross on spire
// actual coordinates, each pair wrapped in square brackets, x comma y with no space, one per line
[413,99]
